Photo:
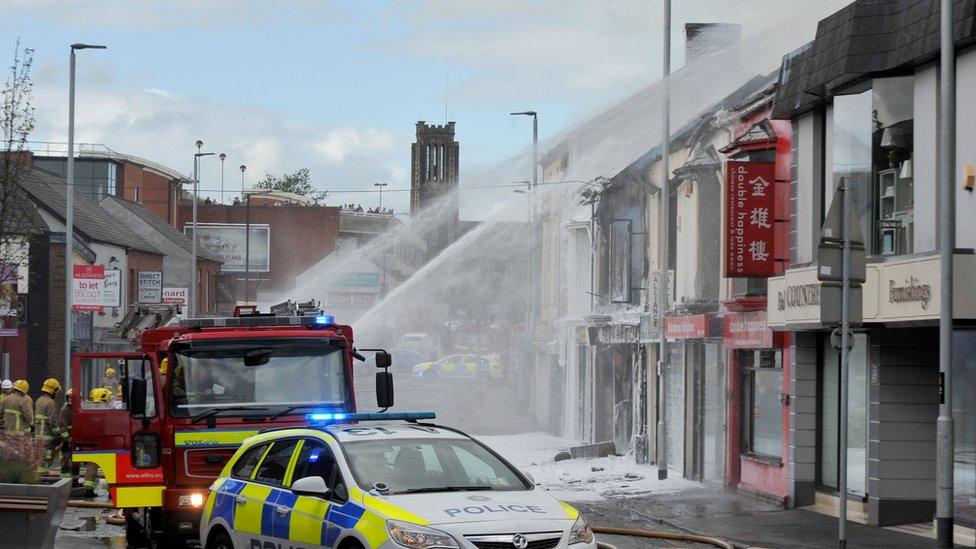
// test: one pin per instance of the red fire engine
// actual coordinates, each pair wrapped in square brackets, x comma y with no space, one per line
[193,392]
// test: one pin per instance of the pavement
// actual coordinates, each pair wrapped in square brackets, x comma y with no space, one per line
[742,520]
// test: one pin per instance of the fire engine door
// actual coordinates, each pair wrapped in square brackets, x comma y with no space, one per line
[115,424]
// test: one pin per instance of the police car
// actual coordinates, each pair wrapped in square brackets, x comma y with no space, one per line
[381,481]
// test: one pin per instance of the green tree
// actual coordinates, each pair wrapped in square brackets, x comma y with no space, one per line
[297,182]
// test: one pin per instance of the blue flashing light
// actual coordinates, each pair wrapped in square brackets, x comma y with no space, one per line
[322,418]
[324,320]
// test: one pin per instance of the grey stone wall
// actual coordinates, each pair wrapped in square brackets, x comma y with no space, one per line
[801,466]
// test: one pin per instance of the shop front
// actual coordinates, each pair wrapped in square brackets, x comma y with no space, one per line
[616,356]
[758,406]
[696,397]
[893,390]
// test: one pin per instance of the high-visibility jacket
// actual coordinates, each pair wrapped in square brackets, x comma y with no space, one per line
[18,413]
[47,418]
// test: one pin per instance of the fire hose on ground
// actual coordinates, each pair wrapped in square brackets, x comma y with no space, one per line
[658,534]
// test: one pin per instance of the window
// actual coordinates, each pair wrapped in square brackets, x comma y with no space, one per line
[316,460]
[275,463]
[620,255]
[762,411]
[430,465]
[873,147]
[105,383]
[245,466]
[857,417]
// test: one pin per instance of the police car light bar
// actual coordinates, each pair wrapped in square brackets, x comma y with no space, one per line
[329,417]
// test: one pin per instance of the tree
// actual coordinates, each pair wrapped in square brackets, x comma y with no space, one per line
[297,182]
[16,211]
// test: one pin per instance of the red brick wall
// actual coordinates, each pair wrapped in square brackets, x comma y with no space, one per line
[149,189]
[300,236]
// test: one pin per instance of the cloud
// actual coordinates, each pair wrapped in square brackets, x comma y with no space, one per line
[161,126]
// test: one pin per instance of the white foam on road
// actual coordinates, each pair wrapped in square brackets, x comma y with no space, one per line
[582,480]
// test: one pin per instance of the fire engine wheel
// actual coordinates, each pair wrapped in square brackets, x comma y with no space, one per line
[154,539]
[135,534]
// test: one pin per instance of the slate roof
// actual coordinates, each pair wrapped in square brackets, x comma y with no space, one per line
[94,222]
[865,39]
[160,226]
[23,217]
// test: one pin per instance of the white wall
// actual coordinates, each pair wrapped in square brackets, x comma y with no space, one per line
[965,147]
[807,186]
[924,157]
[687,245]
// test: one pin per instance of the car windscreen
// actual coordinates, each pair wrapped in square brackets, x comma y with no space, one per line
[430,465]
[258,373]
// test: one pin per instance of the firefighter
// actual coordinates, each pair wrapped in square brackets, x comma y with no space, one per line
[100,397]
[47,421]
[18,410]
[110,382]
[64,417]
[5,387]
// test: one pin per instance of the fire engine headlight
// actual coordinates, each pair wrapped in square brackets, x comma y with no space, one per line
[580,533]
[193,500]
[415,536]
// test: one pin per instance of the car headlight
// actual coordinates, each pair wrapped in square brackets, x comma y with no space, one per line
[580,532]
[415,536]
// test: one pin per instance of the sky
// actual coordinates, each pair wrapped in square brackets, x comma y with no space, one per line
[338,86]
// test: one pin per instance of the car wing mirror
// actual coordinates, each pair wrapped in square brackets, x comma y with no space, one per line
[384,389]
[311,486]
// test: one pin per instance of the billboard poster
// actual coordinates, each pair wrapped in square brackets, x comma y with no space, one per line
[749,219]
[112,288]
[353,300]
[150,285]
[87,281]
[175,296]
[228,242]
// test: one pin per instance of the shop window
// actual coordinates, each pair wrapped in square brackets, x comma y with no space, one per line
[762,410]
[964,414]
[828,458]
[873,146]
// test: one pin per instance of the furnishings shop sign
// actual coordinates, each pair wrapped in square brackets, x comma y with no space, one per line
[749,219]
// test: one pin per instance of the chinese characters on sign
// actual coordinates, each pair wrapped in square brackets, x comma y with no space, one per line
[87,286]
[749,220]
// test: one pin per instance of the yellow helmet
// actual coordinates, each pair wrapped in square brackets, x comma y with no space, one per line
[22,386]
[110,372]
[70,392]
[164,366]
[99,395]
[51,386]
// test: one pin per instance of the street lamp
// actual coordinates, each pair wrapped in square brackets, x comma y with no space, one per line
[192,305]
[222,157]
[381,185]
[247,237]
[69,218]
[530,328]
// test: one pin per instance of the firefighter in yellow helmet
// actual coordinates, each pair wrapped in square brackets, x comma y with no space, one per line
[18,410]
[64,417]
[47,421]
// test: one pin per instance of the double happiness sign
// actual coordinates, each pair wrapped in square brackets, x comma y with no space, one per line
[749,221]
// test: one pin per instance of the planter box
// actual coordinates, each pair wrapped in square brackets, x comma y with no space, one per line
[30,514]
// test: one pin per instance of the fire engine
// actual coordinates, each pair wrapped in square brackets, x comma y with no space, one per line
[192,392]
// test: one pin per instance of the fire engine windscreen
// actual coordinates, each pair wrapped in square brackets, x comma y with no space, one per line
[274,372]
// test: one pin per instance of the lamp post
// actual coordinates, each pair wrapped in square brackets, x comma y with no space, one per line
[192,305]
[247,238]
[69,218]
[664,226]
[530,328]
[222,157]
[381,185]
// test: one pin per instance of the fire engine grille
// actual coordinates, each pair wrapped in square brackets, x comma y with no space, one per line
[504,541]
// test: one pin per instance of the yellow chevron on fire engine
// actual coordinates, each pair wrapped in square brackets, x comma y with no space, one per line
[105,460]
[213,437]
[305,524]
[139,496]
[391,511]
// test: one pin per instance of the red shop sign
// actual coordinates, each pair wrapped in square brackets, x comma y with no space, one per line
[749,219]
[686,327]
[747,331]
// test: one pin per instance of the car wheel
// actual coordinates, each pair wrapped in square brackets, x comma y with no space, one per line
[220,541]
[431,375]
